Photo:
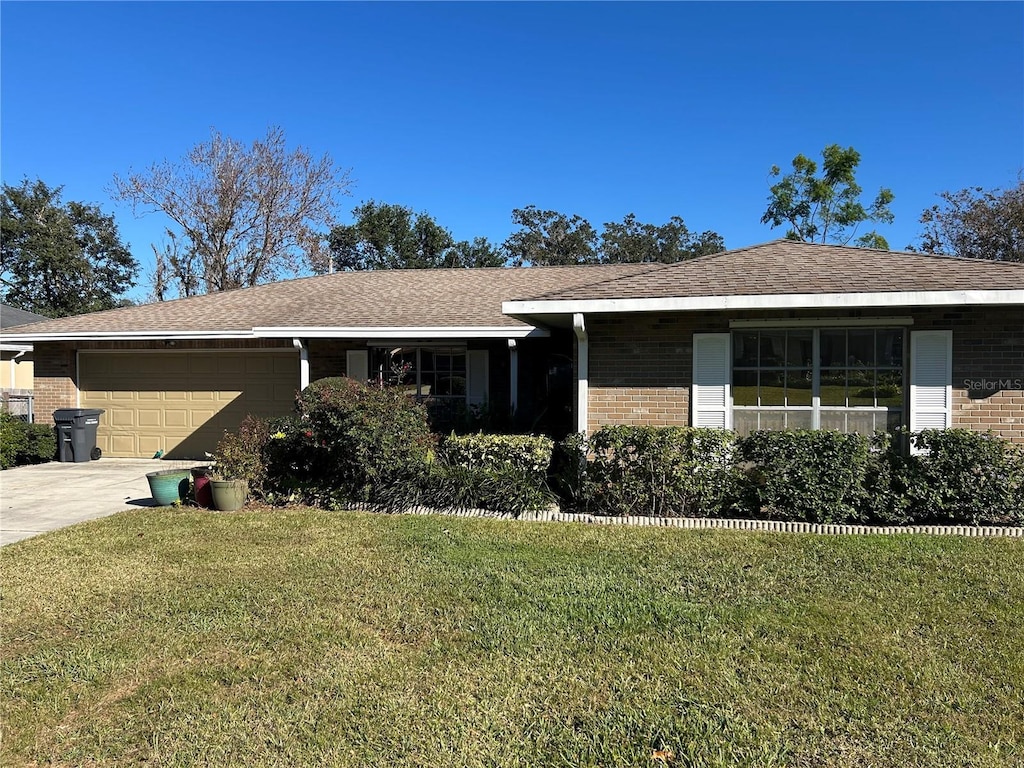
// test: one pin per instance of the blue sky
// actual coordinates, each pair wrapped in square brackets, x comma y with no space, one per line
[468,110]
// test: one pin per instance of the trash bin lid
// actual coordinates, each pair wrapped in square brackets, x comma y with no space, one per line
[70,414]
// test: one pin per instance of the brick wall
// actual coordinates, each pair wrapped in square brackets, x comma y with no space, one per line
[988,344]
[640,365]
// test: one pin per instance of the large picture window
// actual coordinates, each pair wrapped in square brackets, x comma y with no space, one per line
[848,379]
[434,375]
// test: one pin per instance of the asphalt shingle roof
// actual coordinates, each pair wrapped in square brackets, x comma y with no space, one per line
[787,267]
[416,298]
[472,297]
[12,316]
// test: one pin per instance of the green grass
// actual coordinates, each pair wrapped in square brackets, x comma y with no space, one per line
[173,637]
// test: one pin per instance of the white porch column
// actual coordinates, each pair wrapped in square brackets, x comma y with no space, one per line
[303,362]
[582,371]
[513,375]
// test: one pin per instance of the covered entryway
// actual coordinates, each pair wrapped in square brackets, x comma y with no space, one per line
[181,402]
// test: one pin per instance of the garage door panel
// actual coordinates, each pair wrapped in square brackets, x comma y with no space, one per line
[231,365]
[148,445]
[176,417]
[181,403]
[120,444]
[259,365]
[149,417]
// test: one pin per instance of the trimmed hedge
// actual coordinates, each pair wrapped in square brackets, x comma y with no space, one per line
[961,477]
[660,471]
[529,455]
[22,443]
[802,476]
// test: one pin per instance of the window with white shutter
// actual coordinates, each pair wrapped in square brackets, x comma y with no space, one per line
[709,395]
[931,380]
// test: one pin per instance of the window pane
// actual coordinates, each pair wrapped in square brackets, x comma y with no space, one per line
[860,349]
[890,348]
[833,348]
[862,387]
[744,388]
[772,389]
[773,348]
[893,421]
[798,420]
[798,348]
[427,362]
[833,387]
[772,420]
[798,387]
[744,349]
[862,422]
[890,389]
[744,422]
[833,420]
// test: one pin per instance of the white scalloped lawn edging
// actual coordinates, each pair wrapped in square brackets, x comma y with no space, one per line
[730,524]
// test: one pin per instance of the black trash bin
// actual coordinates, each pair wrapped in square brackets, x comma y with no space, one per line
[76,433]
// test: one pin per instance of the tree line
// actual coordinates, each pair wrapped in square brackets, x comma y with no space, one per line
[241,215]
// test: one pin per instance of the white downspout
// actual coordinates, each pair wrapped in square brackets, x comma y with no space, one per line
[582,372]
[303,363]
[513,375]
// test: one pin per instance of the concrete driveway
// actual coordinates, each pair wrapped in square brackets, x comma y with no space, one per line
[46,497]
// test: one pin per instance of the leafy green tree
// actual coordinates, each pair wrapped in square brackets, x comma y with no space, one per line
[60,259]
[551,238]
[631,241]
[975,223]
[242,215]
[387,236]
[478,252]
[826,208]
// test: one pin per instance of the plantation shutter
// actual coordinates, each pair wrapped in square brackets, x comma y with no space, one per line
[931,380]
[477,376]
[709,393]
[357,364]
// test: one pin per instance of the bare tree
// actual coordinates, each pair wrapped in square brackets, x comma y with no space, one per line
[245,215]
[976,223]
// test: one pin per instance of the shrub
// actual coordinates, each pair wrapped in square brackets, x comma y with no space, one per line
[813,476]
[529,455]
[13,440]
[454,487]
[40,444]
[682,471]
[568,476]
[357,439]
[962,476]
[241,455]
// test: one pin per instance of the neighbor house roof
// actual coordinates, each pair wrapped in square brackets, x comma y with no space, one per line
[12,316]
[385,303]
[788,274]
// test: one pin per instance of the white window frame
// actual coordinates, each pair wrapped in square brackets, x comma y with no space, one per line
[816,327]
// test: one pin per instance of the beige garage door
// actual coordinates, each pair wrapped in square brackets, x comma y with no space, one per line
[181,402]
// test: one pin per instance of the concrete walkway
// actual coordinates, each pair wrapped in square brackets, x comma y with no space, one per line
[46,497]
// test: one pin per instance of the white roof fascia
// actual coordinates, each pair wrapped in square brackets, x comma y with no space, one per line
[767,301]
[133,335]
[5,347]
[403,332]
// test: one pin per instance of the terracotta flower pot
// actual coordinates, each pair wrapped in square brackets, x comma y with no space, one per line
[229,495]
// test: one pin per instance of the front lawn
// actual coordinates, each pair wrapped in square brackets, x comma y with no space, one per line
[301,637]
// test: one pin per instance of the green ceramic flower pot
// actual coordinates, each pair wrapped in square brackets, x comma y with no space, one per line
[168,486]
[229,495]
